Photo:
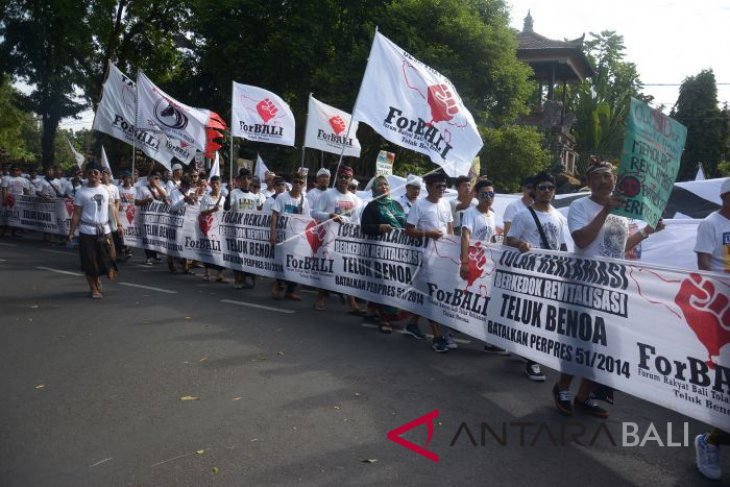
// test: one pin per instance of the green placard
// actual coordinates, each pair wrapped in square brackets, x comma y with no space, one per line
[650,157]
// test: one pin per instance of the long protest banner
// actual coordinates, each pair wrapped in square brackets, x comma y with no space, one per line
[655,332]
[650,158]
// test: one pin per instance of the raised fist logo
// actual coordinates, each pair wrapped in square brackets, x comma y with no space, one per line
[315,235]
[442,103]
[266,109]
[477,261]
[629,186]
[130,211]
[707,311]
[10,200]
[169,115]
[69,207]
[337,124]
[205,222]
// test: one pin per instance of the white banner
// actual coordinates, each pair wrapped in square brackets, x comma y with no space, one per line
[183,125]
[116,114]
[327,129]
[414,106]
[39,214]
[261,116]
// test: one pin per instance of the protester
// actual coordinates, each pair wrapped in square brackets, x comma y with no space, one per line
[115,223]
[713,254]
[382,215]
[337,205]
[91,218]
[211,203]
[256,192]
[596,233]
[184,194]
[431,218]
[239,200]
[279,186]
[413,190]
[540,226]
[148,192]
[14,185]
[321,185]
[295,203]
[74,182]
[518,205]
[463,201]
[174,180]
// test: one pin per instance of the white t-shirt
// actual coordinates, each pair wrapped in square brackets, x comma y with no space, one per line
[553,224]
[713,237]
[481,226]
[284,203]
[177,197]
[207,201]
[458,215]
[268,204]
[332,201]
[127,195]
[72,188]
[611,238]
[94,203]
[425,215]
[17,185]
[405,203]
[113,191]
[41,187]
[59,186]
[243,201]
[313,195]
[144,192]
[171,185]
[512,209]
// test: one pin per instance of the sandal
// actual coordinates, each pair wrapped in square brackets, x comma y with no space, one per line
[385,327]
[357,312]
[319,306]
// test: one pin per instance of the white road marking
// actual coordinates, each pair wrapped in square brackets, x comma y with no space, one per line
[3,260]
[8,244]
[151,288]
[51,251]
[59,271]
[258,306]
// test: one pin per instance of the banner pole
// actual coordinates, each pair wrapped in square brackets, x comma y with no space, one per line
[306,126]
[230,162]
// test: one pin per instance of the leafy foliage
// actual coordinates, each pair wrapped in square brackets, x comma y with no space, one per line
[511,153]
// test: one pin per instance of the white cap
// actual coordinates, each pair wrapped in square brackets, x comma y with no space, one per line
[413,180]
[323,172]
[725,188]
[354,182]
[177,167]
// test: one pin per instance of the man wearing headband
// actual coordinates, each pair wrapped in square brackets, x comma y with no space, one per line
[337,205]
[596,233]
[91,218]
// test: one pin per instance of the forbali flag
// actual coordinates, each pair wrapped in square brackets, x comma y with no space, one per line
[261,116]
[160,113]
[328,129]
[412,105]
[260,170]
[77,155]
[105,162]
[117,112]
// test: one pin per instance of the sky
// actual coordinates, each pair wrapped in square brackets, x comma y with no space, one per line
[668,40]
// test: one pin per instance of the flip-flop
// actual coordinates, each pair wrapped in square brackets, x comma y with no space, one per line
[357,312]
[320,307]
[385,327]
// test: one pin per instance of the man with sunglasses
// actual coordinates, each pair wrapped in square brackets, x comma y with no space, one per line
[524,234]
[596,233]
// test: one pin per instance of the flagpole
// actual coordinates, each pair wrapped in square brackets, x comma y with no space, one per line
[230,163]
[352,116]
[306,126]
[136,127]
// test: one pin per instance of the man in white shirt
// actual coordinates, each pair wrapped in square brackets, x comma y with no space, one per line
[518,205]
[525,234]
[14,185]
[463,201]
[597,233]
[148,191]
[38,185]
[91,218]
[279,186]
[321,184]
[431,218]
[713,254]
[239,200]
[184,194]
[413,190]
[174,181]
[336,206]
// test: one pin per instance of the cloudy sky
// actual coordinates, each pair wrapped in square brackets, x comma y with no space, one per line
[667,39]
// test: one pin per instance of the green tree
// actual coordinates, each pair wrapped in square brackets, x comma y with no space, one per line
[511,153]
[17,128]
[707,125]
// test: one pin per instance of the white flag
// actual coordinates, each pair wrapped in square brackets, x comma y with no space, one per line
[215,169]
[116,114]
[327,129]
[161,114]
[416,107]
[260,115]
[260,170]
[700,176]
[105,162]
[77,155]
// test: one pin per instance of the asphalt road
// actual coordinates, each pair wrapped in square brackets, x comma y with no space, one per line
[91,394]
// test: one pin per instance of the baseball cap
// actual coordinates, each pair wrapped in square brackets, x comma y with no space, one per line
[177,167]
[725,188]
[413,180]
[323,172]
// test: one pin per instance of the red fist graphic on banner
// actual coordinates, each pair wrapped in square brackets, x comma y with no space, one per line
[315,235]
[442,103]
[266,109]
[205,222]
[10,200]
[337,124]
[477,261]
[131,210]
[69,207]
[707,311]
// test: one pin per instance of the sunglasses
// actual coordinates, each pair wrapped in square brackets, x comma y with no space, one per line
[545,187]
[95,172]
[439,186]
[485,195]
